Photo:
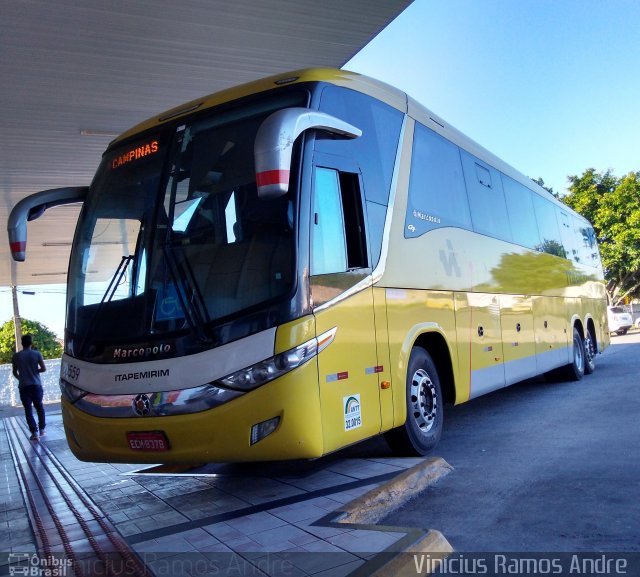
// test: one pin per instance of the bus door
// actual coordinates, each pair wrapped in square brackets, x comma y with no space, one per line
[342,299]
[518,341]
[480,341]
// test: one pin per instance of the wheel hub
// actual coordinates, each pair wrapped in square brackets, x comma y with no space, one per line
[424,400]
[578,354]
[589,349]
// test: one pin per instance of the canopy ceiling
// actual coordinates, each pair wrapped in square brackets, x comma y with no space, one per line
[75,73]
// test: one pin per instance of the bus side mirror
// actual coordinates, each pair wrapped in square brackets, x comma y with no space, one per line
[274,144]
[32,207]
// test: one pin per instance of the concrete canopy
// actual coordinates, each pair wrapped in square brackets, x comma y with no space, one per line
[77,73]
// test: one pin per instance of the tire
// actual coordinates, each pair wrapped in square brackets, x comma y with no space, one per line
[422,429]
[575,370]
[622,332]
[590,352]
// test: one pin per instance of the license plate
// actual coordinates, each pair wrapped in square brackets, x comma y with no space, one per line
[148,441]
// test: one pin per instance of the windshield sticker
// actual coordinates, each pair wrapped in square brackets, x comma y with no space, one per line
[135,154]
[352,416]
[169,306]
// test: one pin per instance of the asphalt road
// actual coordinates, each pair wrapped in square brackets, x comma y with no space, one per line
[543,467]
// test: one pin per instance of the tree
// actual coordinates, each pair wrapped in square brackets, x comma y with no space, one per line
[540,182]
[43,339]
[612,205]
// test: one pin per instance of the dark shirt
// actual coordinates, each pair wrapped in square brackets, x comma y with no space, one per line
[28,364]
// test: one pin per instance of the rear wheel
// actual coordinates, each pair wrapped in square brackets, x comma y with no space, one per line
[575,370]
[422,429]
[589,353]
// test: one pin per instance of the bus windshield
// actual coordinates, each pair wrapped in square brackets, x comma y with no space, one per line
[173,238]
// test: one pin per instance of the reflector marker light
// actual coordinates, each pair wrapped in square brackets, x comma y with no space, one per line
[338,376]
[374,370]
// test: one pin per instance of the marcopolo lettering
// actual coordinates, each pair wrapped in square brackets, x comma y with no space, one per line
[137,352]
[142,375]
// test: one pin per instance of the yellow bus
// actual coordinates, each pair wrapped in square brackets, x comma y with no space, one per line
[288,267]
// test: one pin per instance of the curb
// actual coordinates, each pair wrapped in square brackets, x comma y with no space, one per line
[433,546]
[418,544]
[379,502]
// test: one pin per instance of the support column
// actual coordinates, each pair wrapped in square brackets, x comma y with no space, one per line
[16,318]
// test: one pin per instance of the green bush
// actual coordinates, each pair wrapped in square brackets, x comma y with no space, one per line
[43,339]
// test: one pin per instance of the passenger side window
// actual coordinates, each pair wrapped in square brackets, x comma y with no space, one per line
[522,220]
[437,195]
[586,241]
[550,239]
[486,198]
[568,236]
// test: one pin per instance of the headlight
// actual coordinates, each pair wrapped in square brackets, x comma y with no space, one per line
[71,392]
[256,375]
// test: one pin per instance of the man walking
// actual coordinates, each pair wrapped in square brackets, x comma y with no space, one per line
[27,366]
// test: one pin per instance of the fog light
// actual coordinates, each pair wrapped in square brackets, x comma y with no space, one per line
[264,429]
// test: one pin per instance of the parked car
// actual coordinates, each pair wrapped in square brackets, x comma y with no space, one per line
[620,320]
[637,323]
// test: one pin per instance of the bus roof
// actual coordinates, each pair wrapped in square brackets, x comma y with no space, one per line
[361,83]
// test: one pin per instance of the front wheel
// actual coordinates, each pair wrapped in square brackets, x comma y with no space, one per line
[422,429]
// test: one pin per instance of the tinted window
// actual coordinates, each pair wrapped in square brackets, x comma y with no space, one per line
[375,150]
[568,235]
[586,242]
[486,198]
[550,239]
[437,195]
[522,220]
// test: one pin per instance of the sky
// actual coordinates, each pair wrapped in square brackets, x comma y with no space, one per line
[550,86]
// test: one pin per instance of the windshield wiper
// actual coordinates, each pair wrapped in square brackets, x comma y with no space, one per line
[114,283]
[116,279]
[195,311]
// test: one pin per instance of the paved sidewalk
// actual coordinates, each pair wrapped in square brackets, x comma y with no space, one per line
[223,519]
